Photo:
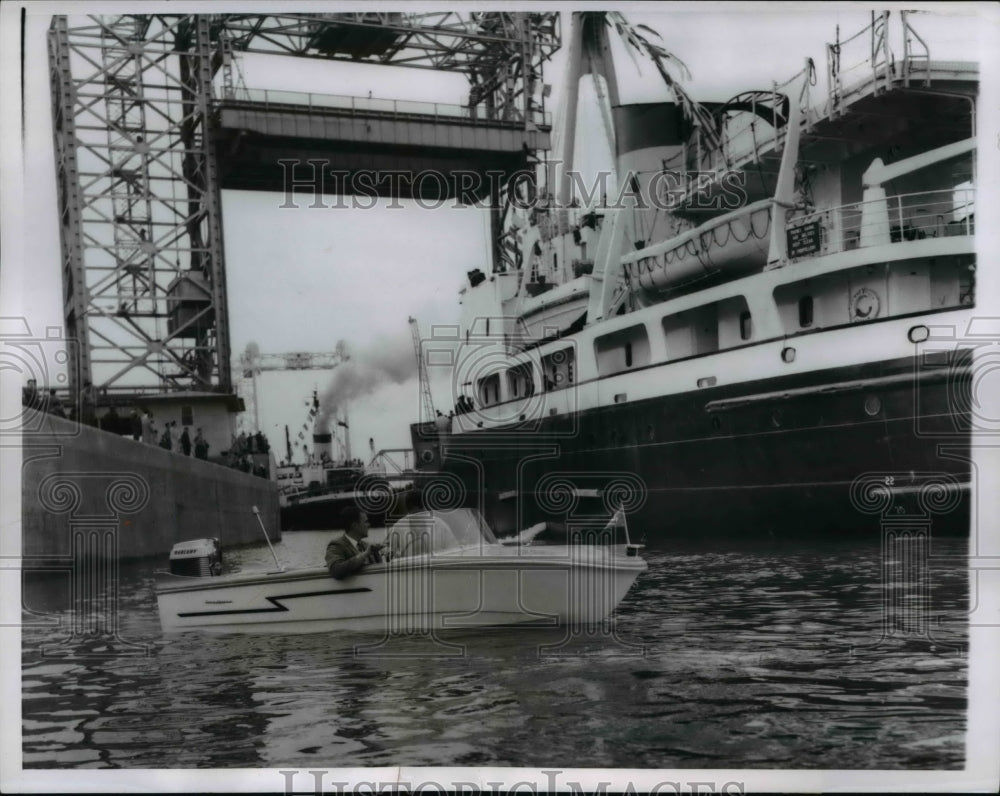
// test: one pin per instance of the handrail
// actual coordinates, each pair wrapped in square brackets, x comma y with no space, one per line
[908,55]
[363,106]
[909,217]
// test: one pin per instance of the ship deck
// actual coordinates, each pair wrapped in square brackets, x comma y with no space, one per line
[931,105]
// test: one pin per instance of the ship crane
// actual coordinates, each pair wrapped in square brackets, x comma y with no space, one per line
[252,363]
[426,402]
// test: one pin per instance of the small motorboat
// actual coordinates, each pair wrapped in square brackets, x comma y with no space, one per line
[446,570]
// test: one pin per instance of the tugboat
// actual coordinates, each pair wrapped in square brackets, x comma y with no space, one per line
[763,334]
[312,494]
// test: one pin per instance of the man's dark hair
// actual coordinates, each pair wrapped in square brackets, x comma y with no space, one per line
[350,515]
[414,501]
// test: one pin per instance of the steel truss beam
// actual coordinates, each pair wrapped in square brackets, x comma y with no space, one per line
[502,54]
[139,196]
[139,203]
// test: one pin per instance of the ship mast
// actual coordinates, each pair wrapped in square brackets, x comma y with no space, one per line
[589,53]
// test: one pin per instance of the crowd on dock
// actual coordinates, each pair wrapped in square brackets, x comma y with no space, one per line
[140,425]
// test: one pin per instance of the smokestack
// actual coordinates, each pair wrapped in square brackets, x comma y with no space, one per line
[323,445]
[347,436]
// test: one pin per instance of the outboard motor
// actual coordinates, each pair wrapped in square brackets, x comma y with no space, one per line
[197,558]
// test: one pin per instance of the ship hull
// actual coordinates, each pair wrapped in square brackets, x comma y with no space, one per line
[323,513]
[845,451]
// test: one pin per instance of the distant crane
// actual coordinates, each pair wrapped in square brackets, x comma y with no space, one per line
[252,363]
[427,403]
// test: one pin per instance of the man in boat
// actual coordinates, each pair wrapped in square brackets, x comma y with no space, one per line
[350,553]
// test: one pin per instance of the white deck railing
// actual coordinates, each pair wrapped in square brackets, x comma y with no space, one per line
[900,218]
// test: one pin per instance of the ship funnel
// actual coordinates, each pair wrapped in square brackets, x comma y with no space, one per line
[323,445]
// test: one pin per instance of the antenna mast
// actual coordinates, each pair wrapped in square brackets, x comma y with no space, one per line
[426,402]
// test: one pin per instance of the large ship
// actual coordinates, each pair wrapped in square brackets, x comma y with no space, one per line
[762,334]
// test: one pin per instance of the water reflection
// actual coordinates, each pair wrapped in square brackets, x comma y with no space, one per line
[770,657]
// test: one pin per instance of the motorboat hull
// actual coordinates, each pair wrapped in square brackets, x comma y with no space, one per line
[492,586]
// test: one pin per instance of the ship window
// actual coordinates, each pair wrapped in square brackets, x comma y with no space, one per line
[187,416]
[520,381]
[746,325]
[621,350]
[489,389]
[709,328]
[557,369]
[692,332]
[806,311]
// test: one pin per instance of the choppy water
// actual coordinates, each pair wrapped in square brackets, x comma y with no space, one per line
[759,657]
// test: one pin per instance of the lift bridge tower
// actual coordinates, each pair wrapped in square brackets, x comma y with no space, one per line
[149,128]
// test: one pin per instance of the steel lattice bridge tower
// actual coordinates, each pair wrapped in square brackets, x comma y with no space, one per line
[142,157]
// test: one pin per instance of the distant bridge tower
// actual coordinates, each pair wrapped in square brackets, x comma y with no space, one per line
[142,156]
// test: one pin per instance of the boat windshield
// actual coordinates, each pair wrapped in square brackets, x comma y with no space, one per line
[437,531]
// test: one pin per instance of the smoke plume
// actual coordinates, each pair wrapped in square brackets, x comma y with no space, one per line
[385,361]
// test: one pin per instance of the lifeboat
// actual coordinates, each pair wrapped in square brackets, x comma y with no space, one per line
[736,243]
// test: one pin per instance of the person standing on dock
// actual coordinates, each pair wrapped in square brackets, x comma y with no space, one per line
[88,404]
[55,405]
[185,442]
[350,553]
[148,428]
[167,440]
[200,446]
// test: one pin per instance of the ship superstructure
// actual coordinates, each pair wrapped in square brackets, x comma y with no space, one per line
[766,337]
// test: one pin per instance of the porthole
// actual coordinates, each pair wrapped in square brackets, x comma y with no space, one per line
[918,334]
[776,418]
[873,405]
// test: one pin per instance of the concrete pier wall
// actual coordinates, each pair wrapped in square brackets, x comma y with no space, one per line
[79,479]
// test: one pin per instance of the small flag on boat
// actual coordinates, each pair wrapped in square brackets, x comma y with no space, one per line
[617,520]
